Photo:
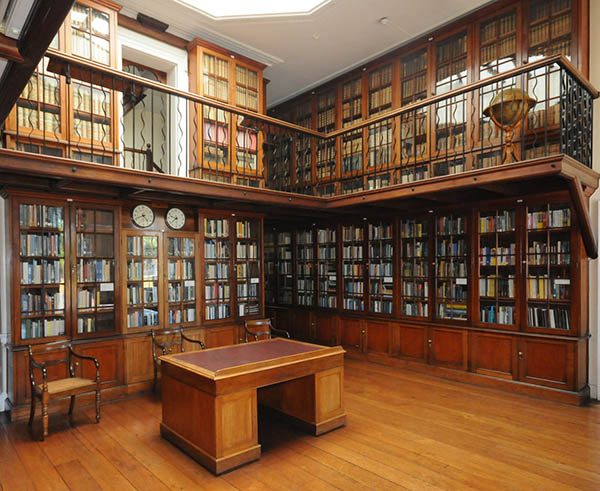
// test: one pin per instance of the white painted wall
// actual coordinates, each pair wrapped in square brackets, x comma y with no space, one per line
[174,61]
[4,307]
[594,285]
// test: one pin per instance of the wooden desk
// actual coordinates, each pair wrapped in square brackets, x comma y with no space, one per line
[209,397]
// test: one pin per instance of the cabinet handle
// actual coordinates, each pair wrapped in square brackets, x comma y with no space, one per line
[520,355]
[356,346]
[430,342]
[363,331]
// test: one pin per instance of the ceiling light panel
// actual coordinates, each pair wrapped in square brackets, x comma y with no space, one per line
[256,8]
[17,16]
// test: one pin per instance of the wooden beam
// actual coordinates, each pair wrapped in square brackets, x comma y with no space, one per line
[585,223]
[10,50]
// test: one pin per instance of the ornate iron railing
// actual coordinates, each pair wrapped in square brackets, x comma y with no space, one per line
[110,117]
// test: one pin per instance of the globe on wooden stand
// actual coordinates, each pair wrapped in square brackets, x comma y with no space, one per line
[507,110]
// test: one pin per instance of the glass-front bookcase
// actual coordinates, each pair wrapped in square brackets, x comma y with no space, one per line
[414,272]
[305,267]
[248,267]
[381,267]
[353,267]
[217,265]
[327,267]
[181,279]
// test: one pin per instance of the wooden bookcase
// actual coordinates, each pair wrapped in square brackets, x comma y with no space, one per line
[414,245]
[327,267]
[381,267]
[181,277]
[305,267]
[353,267]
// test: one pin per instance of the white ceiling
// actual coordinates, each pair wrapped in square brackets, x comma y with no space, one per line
[304,51]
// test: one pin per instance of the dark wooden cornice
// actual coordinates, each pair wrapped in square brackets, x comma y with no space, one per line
[585,223]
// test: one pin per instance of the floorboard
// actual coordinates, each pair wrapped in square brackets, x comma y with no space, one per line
[405,430]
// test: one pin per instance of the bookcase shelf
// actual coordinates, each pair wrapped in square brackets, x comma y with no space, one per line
[285,281]
[327,266]
[248,267]
[217,268]
[353,267]
[182,284]
[381,267]
[305,267]
[414,274]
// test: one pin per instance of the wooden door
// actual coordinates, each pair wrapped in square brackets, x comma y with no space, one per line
[447,347]
[352,334]
[409,342]
[494,355]
[547,362]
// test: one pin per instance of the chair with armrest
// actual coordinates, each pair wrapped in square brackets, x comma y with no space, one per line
[263,329]
[70,386]
[174,340]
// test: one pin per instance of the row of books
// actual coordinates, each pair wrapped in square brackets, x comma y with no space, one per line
[452,311]
[414,64]
[542,287]
[560,47]
[305,299]
[326,236]
[327,253]
[411,151]
[449,289]
[246,98]
[498,314]
[380,98]
[28,117]
[415,309]
[216,249]
[502,221]
[354,287]
[136,294]
[84,128]
[497,256]
[306,284]
[48,302]
[415,289]
[146,246]
[491,159]
[245,290]
[416,126]
[89,298]
[328,301]
[412,86]
[100,270]
[352,269]
[328,269]
[33,270]
[97,102]
[327,285]
[48,93]
[352,109]
[546,31]
[449,143]
[284,253]
[245,229]
[416,173]
[380,232]
[452,269]
[380,77]
[180,270]
[246,250]
[138,270]
[352,89]
[451,225]
[354,304]
[305,269]
[39,328]
[178,316]
[381,251]
[381,287]
[415,248]
[448,247]
[246,309]
[415,269]
[216,228]
[382,306]
[244,76]
[541,118]
[245,270]
[413,229]
[381,269]
[352,163]
[145,317]
[305,253]
[41,216]
[180,247]
[216,88]
[285,268]
[325,119]
[219,311]
[352,233]
[541,151]
[560,218]
[175,291]
[284,238]
[500,50]
[549,318]
[217,291]
[492,286]
[352,252]
[48,244]
[498,27]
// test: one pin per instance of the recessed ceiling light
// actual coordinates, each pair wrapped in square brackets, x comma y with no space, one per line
[256,8]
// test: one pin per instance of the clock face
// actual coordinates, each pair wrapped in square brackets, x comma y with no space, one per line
[175,218]
[142,216]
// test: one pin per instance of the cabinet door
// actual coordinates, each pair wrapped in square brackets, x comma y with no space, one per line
[448,347]
[300,324]
[220,336]
[378,337]
[325,331]
[494,355]
[547,362]
[139,366]
[352,334]
[409,342]
[110,358]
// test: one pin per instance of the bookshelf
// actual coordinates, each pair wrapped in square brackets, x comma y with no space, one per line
[352,144]
[246,88]
[143,297]
[90,33]
[181,277]
[42,280]
[327,267]
[549,271]
[451,73]
[498,272]
[217,268]
[379,138]
[285,278]
[303,143]
[381,267]
[413,128]
[248,267]
[414,273]
[270,267]
[353,267]
[305,267]
[91,113]
[95,270]
[451,267]
[550,28]
[326,153]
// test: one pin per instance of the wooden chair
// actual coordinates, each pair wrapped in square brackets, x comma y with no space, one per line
[167,346]
[61,388]
[263,327]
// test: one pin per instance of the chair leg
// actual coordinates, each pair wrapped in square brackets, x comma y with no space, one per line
[98,405]
[71,406]
[32,412]
[155,379]
[44,420]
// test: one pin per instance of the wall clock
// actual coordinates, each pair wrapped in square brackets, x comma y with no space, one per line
[175,218]
[142,216]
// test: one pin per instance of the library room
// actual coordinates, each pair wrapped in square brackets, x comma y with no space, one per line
[314,244]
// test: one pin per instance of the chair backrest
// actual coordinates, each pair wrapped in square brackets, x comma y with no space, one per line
[258,329]
[172,338]
[49,353]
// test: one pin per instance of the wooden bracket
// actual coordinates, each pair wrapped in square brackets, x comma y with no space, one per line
[583,216]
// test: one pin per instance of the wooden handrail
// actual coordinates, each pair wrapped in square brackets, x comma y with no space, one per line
[583,216]
[125,79]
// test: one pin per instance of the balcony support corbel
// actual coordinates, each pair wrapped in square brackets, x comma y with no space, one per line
[585,223]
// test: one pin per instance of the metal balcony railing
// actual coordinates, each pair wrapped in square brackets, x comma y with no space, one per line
[84,111]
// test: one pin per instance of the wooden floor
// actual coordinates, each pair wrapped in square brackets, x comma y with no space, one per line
[405,431]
